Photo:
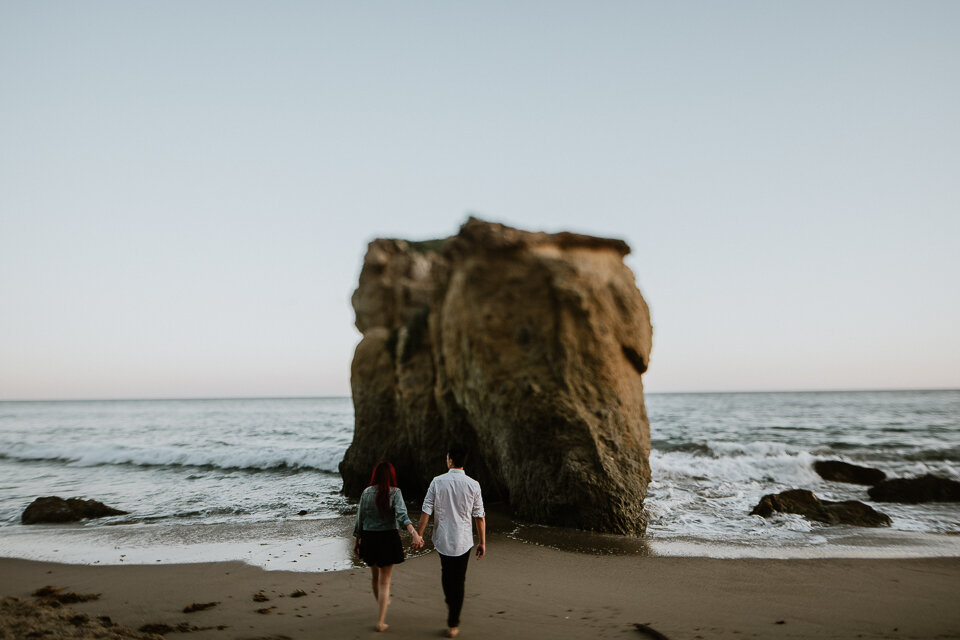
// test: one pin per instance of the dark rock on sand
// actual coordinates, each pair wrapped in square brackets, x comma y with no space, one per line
[526,347]
[928,488]
[839,471]
[56,509]
[650,631]
[806,504]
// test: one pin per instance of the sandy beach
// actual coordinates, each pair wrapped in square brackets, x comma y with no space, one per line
[528,591]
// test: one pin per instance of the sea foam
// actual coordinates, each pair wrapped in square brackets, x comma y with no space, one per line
[318,458]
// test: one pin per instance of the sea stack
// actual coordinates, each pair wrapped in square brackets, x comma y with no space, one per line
[526,347]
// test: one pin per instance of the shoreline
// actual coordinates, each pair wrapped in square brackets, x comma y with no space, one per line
[523,590]
[323,544]
[205,482]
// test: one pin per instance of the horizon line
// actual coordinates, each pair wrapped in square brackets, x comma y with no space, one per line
[339,397]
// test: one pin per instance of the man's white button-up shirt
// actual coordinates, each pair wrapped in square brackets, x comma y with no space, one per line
[453,499]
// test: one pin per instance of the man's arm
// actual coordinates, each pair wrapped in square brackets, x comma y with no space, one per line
[482,532]
[426,510]
[479,517]
[422,525]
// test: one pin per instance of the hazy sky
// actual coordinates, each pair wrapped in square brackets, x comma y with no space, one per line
[187,188]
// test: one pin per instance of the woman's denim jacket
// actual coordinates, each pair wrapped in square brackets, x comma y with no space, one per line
[369,518]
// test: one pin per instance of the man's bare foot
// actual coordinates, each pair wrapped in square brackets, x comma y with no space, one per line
[452,632]
[382,626]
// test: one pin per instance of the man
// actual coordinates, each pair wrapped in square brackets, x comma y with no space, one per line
[453,498]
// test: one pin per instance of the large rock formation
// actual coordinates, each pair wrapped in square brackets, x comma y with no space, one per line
[526,347]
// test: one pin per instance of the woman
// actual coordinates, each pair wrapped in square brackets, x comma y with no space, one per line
[376,538]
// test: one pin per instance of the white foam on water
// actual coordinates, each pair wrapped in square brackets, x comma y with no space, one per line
[319,457]
[316,545]
[202,463]
[708,489]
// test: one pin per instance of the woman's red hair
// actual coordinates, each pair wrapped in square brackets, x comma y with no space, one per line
[384,476]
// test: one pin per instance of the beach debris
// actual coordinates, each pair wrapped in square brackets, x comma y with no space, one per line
[299,593]
[839,471]
[803,502]
[538,351]
[162,628]
[78,619]
[780,622]
[40,619]
[260,597]
[56,509]
[265,610]
[927,488]
[650,631]
[156,627]
[302,512]
[58,595]
[199,606]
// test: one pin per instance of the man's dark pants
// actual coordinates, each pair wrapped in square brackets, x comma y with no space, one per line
[453,574]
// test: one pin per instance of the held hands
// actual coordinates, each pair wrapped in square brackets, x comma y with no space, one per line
[356,546]
[417,541]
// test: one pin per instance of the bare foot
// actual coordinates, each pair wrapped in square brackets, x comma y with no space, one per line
[382,626]
[452,632]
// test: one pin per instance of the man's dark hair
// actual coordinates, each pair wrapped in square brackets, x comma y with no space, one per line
[458,454]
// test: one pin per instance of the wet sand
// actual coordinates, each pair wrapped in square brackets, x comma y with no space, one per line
[528,591]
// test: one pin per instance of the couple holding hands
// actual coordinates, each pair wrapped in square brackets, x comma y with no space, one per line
[453,499]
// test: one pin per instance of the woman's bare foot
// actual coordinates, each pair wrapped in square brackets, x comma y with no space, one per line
[382,626]
[452,632]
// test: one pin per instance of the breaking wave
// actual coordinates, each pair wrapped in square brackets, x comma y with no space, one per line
[317,458]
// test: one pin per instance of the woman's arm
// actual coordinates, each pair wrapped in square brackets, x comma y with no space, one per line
[358,527]
[399,509]
[403,519]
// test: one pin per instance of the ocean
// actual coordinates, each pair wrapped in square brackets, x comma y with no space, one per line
[228,479]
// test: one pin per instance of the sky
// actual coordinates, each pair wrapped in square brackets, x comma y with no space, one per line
[187,189]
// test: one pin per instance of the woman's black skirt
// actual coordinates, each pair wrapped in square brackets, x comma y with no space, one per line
[381,548]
